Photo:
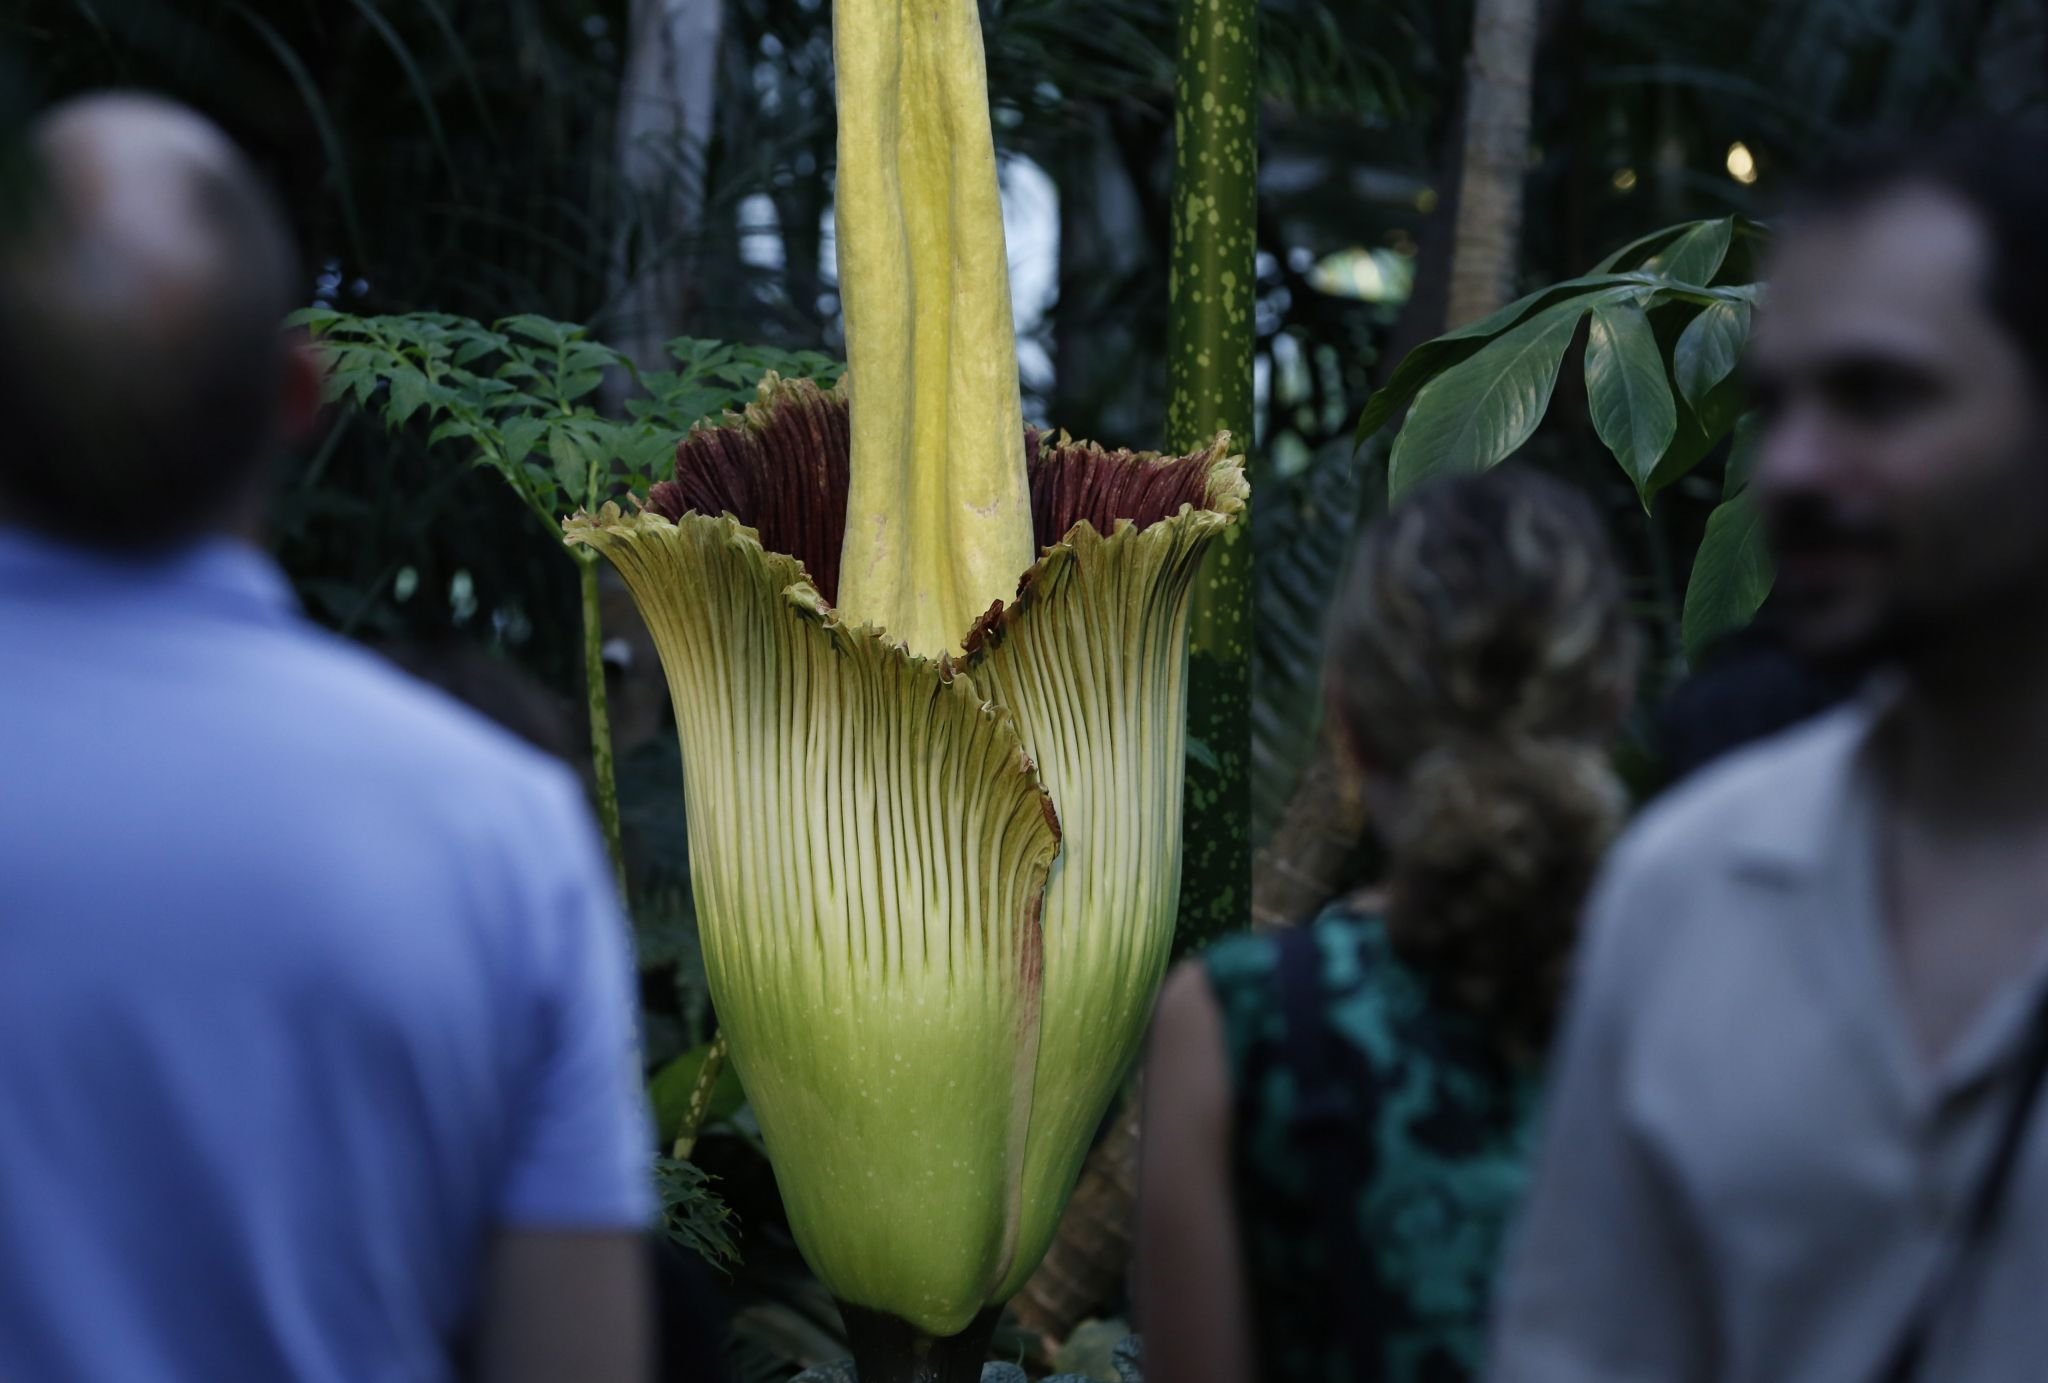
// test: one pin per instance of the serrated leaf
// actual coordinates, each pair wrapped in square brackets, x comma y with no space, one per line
[575,386]
[588,355]
[518,436]
[571,459]
[316,320]
[1695,257]
[646,456]
[697,352]
[1710,347]
[449,427]
[408,395]
[535,328]
[1631,403]
[1476,413]
[1730,577]
[476,344]
[692,1213]
[336,384]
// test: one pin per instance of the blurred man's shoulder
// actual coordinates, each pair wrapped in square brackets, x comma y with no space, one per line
[1744,794]
[367,705]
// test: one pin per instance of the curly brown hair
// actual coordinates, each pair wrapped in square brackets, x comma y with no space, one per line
[1481,657]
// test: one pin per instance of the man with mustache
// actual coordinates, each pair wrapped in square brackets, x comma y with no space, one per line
[1794,1134]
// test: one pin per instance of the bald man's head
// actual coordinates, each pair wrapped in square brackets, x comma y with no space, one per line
[142,352]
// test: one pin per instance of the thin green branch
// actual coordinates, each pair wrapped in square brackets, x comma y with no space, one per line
[600,720]
[700,1098]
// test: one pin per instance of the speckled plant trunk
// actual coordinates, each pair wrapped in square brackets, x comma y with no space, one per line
[1209,371]
[1212,288]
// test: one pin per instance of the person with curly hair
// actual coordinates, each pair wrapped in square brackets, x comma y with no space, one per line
[1338,1116]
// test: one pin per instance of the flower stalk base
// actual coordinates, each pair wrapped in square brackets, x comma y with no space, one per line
[887,1349]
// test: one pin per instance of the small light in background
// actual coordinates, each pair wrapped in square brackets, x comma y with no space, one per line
[1425,200]
[1741,163]
[1624,179]
[1372,276]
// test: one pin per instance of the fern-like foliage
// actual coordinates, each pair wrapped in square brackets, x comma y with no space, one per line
[693,1214]
[522,396]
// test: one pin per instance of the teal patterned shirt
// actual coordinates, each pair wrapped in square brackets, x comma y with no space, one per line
[1433,1159]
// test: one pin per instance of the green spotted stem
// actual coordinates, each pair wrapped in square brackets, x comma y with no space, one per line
[600,719]
[1209,373]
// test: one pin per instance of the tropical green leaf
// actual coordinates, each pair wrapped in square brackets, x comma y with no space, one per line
[1730,577]
[1701,428]
[1741,456]
[1416,369]
[1433,357]
[1474,415]
[1710,347]
[1625,386]
[1695,257]
[1643,245]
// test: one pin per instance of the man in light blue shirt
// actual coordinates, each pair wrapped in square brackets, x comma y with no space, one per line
[316,1045]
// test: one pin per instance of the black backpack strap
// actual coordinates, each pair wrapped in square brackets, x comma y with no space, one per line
[1904,1363]
[1331,1129]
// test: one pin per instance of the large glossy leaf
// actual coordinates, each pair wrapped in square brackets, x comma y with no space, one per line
[1730,576]
[1476,414]
[1625,386]
[1641,247]
[1432,358]
[1710,347]
[1695,257]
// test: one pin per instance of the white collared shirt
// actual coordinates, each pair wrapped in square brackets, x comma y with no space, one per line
[1748,1170]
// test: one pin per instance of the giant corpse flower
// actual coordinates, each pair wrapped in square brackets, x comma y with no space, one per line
[928,669]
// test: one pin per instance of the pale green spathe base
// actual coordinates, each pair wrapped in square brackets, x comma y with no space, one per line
[1093,663]
[867,846]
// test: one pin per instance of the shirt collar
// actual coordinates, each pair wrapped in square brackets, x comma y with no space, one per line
[1795,830]
[216,570]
